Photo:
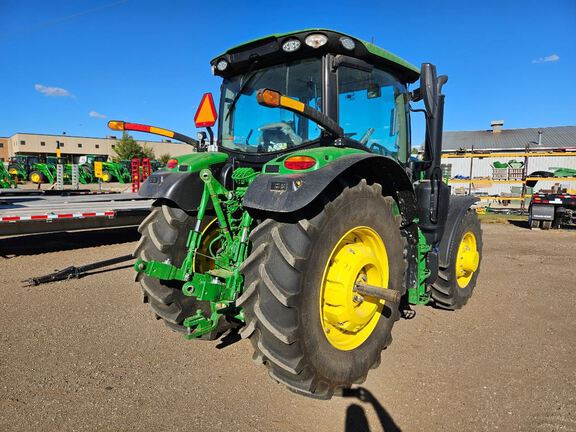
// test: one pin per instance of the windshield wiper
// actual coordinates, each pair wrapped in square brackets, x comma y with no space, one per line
[237,95]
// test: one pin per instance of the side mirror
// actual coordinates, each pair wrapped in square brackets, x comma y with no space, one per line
[429,87]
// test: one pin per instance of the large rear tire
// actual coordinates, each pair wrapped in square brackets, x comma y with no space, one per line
[306,324]
[164,234]
[455,283]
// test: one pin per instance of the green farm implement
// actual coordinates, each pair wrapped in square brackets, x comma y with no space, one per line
[6,179]
[115,171]
[307,225]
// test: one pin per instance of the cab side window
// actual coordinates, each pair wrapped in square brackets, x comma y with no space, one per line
[372,110]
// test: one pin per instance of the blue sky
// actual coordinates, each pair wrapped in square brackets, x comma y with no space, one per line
[72,65]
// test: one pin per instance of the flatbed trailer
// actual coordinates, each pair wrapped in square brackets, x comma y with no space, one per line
[552,210]
[28,212]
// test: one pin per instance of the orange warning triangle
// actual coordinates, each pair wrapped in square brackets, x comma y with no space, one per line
[206,114]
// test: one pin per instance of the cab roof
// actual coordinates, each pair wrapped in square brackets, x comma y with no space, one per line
[271,46]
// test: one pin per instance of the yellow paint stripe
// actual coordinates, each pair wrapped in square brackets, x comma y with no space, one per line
[291,103]
[160,131]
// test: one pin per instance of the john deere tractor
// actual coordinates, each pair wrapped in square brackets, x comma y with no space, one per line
[306,225]
[19,166]
[44,172]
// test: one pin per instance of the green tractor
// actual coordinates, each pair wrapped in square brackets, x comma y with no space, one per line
[19,166]
[111,171]
[44,172]
[116,171]
[310,229]
[6,179]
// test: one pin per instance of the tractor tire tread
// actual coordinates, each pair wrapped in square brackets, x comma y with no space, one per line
[270,300]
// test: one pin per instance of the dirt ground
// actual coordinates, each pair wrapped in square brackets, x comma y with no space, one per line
[87,355]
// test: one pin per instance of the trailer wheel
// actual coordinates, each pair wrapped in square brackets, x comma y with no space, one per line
[305,322]
[546,225]
[164,234]
[455,283]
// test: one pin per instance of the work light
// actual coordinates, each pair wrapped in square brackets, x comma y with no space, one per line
[291,45]
[222,65]
[316,40]
[347,43]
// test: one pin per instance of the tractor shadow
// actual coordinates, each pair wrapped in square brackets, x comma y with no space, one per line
[356,419]
[34,244]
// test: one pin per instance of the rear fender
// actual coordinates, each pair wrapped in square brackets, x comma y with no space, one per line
[287,193]
[183,189]
[182,185]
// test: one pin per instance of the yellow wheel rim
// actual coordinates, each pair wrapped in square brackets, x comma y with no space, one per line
[467,260]
[35,177]
[13,171]
[106,177]
[202,262]
[348,319]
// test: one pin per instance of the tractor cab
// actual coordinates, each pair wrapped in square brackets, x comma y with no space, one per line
[337,77]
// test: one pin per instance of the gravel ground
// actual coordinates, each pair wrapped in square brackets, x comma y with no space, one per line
[87,355]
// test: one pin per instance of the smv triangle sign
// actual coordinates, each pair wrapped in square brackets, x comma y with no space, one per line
[206,114]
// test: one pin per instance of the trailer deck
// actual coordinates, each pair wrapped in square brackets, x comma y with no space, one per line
[27,212]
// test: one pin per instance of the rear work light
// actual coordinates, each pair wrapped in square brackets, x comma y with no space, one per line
[299,163]
[172,163]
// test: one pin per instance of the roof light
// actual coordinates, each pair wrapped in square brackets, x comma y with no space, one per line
[291,45]
[347,43]
[299,163]
[221,65]
[172,163]
[316,40]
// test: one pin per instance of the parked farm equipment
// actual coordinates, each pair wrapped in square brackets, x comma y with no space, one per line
[19,166]
[6,180]
[311,221]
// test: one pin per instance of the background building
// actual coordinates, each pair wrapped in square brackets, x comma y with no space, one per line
[469,158]
[73,146]
[4,149]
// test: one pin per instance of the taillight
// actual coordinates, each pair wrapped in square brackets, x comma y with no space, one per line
[298,163]
[172,163]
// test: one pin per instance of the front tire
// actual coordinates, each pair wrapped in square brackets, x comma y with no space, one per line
[37,177]
[299,283]
[106,176]
[455,283]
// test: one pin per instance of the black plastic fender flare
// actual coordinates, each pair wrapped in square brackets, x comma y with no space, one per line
[184,189]
[287,193]
[457,209]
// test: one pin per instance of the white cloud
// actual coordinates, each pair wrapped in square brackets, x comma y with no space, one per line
[53,91]
[550,58]
[95,114]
